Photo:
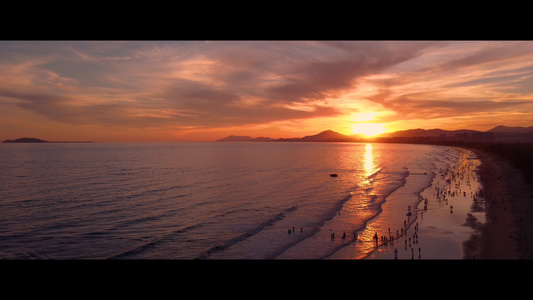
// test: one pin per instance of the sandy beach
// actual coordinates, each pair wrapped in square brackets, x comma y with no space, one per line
[508,232]
[481,210]
[450,212]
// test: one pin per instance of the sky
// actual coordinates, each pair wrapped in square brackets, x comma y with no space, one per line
[159,91]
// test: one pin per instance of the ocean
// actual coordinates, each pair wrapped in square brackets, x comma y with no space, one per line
[209,200]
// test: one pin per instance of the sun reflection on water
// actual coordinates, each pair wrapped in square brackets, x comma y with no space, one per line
[368,165]
[368,160]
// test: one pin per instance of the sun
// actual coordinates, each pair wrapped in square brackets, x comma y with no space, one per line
[369,129]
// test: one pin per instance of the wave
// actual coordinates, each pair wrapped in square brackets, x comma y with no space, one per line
[153,192]
[151,243]
[378,205]
[196,209]
[246,235]
[319,244]
[155,241]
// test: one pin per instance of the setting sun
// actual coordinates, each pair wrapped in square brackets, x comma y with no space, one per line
[160,91]
[369,129]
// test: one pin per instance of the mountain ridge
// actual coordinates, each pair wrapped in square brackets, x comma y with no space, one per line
[35,140]
[507,129]
[26,140]
[499,132]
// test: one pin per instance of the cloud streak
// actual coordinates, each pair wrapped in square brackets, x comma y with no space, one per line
[461,79]
[211,85]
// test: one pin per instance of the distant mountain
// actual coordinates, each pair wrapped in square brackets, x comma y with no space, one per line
[236,138]
[497,134]
[427,133]
[245,138]
[327,136]
[25,140]
[324,136]
[505,129]
[262,139]
[34,140]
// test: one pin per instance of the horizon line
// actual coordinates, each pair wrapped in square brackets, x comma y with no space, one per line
[355,135]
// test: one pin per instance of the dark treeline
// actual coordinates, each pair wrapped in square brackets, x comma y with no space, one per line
[519,155]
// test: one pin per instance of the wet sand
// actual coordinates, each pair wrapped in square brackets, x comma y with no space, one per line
[451,211]
[482,210]
[508,232]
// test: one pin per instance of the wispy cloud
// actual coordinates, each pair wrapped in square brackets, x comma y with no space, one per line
[200,84]
[474,79]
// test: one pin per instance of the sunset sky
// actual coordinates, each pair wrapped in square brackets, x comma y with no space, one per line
[141,91]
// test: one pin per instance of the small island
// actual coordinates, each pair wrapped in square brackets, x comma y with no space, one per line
[34,140]
[25,140]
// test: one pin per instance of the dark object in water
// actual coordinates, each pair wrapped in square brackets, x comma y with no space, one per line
[333,175]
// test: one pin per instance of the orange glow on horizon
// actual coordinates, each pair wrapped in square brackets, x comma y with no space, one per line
[369,129]
[160,91]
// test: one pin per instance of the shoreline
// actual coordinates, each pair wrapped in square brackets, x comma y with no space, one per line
[494,223]
[508,231]
[449,213]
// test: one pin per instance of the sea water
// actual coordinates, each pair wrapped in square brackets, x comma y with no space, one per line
[219,200]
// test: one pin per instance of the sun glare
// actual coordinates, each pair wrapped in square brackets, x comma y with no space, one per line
[369,129]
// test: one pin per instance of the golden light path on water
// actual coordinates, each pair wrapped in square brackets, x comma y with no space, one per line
[365,237]
[369,160]
[450,200]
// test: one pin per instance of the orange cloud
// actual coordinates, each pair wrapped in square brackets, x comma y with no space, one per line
[176,87]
